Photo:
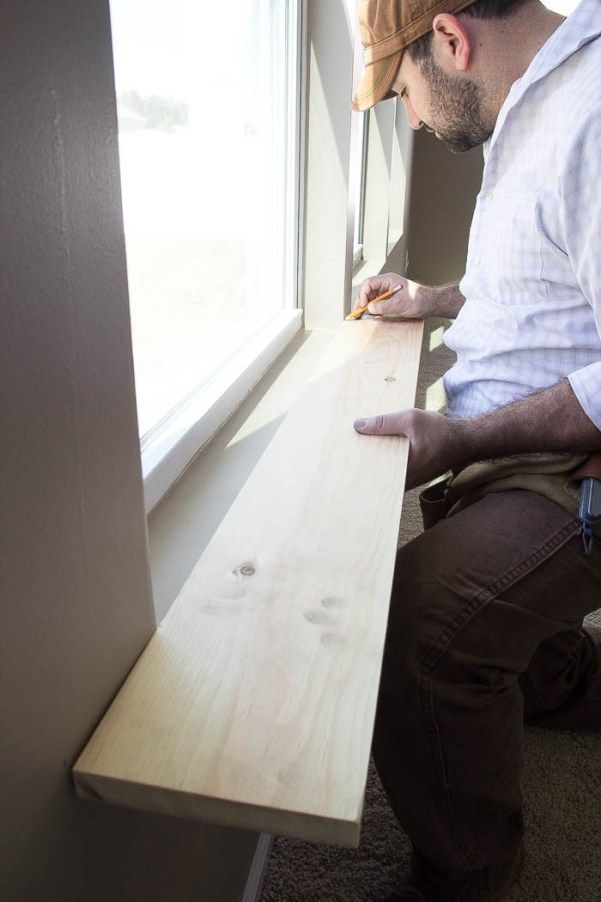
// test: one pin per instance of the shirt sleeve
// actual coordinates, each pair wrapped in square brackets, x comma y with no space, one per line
[580,194]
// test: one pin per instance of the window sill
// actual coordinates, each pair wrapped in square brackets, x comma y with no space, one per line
[182,524]
[239,675]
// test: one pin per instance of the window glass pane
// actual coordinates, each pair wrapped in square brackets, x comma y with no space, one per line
[563,7]
[202,107]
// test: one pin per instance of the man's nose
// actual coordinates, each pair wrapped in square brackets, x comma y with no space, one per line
[412,118]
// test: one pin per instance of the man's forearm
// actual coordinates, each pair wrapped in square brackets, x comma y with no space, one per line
[440,300]
[551,420]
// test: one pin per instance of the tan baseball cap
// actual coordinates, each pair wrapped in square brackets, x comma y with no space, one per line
[386,27]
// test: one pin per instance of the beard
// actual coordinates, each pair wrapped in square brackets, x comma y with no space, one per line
[457,109]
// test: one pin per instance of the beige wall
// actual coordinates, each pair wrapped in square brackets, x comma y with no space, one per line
[443,196]
[76,603]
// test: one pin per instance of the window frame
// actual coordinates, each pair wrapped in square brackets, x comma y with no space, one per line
[385,203]
[169,447]
[359,202]
[381,146]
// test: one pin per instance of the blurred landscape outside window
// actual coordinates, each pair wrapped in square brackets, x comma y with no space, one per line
[202,110]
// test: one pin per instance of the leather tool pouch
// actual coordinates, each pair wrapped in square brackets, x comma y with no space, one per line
[558,476]
[433,503]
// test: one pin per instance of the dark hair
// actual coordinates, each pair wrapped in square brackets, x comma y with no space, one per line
[481,9]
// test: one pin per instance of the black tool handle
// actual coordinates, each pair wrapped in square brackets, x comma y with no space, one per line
[590,511]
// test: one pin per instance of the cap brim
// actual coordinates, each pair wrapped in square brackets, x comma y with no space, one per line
[377,81]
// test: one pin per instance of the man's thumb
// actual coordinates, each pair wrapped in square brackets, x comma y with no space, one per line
[383,424]
[371,426]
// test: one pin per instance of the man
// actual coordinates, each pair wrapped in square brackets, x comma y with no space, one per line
[485,626]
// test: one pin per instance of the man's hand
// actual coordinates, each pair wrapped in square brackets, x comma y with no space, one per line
[402,305]
[550,420]
[413,301]
[435,441]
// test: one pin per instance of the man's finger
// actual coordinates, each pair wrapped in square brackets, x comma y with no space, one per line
[383,424]
[379,307]
[390,305]
[370,288]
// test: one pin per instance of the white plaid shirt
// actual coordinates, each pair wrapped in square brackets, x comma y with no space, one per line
[532,313]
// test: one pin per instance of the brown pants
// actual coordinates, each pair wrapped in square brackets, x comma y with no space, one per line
[484,632]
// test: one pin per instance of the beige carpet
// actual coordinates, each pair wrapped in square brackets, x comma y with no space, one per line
[561,783]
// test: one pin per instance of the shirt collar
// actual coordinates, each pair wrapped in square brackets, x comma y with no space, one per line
[581,27]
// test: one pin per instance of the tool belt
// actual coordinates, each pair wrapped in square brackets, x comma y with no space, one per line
[558,476]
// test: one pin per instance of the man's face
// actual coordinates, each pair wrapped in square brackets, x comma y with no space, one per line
[450,106]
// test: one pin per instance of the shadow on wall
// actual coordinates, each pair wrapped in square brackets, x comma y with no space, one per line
[443,194]
[444,187]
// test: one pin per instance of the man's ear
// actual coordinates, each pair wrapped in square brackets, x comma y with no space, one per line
[451,42]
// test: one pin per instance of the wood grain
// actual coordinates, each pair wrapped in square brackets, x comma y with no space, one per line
[253,705]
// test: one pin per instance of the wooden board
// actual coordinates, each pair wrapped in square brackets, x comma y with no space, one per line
[253,705]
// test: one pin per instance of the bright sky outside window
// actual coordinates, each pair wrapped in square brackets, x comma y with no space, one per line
[563,7]
[201,92]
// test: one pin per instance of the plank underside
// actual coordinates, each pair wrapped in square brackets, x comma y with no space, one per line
[253,705]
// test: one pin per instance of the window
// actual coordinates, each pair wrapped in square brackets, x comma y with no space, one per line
[399,171]
[207,99]
[387,153]
[563,7]
[380,154]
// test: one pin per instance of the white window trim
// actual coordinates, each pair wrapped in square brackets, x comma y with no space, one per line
[359,205]
[400,171]
[377,180]
[168,448]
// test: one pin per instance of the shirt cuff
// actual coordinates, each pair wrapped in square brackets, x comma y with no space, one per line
[587,388]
